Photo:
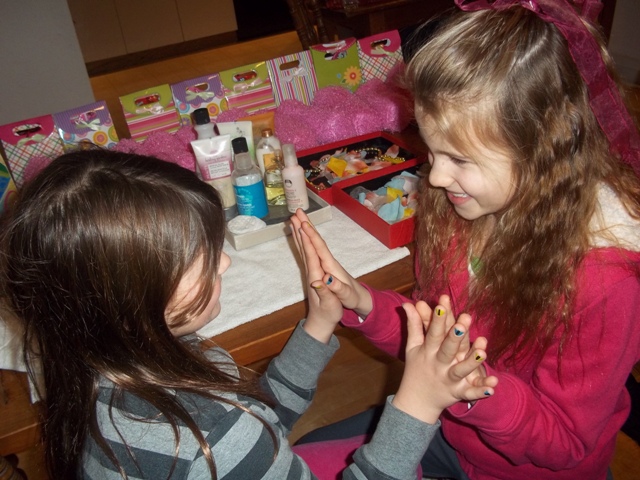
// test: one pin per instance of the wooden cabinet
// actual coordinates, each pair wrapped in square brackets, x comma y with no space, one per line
[112,28]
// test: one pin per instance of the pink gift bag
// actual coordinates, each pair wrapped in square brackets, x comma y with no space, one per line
[293,77]
[379,54]
[26,139]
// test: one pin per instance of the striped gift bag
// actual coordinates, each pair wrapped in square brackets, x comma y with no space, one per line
[248,87]
[379,54]
[27,139]
[293,77]
[150,110]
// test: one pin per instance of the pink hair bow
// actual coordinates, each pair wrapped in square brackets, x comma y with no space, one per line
[604,98]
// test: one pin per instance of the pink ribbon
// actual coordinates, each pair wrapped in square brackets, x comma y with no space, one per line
[604,98]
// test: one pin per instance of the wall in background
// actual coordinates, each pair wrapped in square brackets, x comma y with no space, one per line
[112,28]
[42,67]
[624,43]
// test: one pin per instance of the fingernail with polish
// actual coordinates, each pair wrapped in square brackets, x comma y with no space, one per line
[487,393]
[458,333]
[330,280]
[439,311]
[478,358]
[317,287]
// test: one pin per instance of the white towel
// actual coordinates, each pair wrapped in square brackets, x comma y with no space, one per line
[268,277]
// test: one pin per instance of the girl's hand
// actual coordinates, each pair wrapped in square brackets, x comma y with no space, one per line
[441,368]
[351,293]
[325,309]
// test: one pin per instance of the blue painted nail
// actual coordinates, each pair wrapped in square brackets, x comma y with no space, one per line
[330,280]
[458,333]
[487,393]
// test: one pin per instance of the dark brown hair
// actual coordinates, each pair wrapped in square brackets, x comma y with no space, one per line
[509,79]
[94,250]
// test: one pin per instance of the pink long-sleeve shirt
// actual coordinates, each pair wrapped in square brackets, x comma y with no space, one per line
[538,425]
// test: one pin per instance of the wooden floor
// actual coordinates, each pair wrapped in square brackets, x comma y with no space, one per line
[359,376]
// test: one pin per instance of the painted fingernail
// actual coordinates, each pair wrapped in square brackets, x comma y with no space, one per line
[330,280]
[458,333]
[487,393]
[317,287]
[439,311]
[479,358]
[311,225]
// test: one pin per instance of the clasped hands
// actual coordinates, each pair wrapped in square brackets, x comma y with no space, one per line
[442,366]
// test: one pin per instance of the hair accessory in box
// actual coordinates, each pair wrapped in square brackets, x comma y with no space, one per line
[396,200]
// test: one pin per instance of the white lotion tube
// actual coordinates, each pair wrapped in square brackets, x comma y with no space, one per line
[293,178]
[213,156]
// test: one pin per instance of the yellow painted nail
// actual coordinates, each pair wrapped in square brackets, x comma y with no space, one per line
[478,358]
[439,311]
[317,287]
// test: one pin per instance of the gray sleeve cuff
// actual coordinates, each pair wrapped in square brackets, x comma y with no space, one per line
[303,358]
[398,444]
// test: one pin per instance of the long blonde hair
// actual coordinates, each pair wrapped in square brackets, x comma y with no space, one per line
[509,78]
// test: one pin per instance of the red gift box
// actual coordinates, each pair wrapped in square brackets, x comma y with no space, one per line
[382,140]
[392,235]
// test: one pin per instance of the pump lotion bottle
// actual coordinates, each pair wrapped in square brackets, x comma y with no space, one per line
[293,178]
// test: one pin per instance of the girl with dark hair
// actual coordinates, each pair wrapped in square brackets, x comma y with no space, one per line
[113,261]
[529,219]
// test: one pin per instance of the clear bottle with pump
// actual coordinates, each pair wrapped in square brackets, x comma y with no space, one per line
[295,184]
[266,148]
[247,182]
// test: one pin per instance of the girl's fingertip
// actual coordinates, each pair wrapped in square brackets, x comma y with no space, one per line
[479,358]
[487,393]
[440,311]
[329,280]
[458,332]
